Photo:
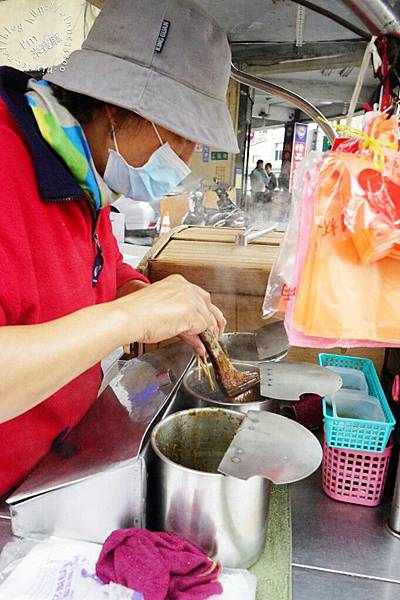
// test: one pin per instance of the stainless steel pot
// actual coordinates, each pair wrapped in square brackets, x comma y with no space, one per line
[198,393]
[225,516]
[241,347]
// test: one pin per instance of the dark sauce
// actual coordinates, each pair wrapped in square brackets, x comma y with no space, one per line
[199,442]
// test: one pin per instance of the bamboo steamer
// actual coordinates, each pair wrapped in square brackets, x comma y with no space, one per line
[236,277]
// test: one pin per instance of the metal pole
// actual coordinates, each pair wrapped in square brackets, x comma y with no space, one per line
[377,15]
[334,17]
[394,520]
[246,168]
[271,88]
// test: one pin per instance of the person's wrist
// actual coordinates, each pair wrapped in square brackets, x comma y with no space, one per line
[121,318]
[130,287]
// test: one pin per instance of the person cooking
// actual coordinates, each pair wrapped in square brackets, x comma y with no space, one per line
[121,117]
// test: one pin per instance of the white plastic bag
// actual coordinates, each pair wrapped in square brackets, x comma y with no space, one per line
[59,570]
[238,584]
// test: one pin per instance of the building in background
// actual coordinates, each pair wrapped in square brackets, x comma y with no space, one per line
[267,143]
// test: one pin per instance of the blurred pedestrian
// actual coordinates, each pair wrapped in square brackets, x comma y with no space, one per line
[272,182]
[259,181]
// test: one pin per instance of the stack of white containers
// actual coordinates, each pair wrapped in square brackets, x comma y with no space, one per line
[358,424]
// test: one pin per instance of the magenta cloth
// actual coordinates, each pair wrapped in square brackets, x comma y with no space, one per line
[307,411]
[161,566]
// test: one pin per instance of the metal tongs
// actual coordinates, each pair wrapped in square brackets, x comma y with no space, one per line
[231,381]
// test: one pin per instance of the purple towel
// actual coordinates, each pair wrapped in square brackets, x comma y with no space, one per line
[307,411]
[162,566]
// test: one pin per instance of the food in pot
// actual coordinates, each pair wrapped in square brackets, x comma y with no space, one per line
[232,382]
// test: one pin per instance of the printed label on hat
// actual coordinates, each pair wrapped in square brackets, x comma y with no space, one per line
[162,35]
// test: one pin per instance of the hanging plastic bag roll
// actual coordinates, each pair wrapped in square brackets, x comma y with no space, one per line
[280,285]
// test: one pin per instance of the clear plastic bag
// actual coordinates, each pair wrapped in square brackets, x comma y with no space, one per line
[237,584]
[60,568]
[280,286]
[55,568]
[361,190]
[12,554]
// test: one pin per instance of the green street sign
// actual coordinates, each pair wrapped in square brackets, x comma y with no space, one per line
[326,145]
[219,156]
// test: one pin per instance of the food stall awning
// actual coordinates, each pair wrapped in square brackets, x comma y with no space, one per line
[296,45]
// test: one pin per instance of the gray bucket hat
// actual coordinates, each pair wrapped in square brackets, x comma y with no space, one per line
[163,59]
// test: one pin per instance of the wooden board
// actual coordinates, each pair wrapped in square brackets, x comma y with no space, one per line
[156,249]
[377,355]
[215,280]
[218,254]
[218,267]
[249,313]
[224,234]
[228,304]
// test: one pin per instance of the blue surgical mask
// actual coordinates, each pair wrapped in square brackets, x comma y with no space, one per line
[159,176]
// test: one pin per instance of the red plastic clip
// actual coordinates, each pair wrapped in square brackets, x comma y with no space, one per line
[396,388]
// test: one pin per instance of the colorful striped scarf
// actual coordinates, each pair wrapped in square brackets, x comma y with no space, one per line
[66,137]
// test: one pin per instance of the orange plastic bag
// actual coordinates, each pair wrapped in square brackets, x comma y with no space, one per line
[372,209]
[338,296]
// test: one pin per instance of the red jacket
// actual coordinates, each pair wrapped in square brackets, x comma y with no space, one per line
[47,253]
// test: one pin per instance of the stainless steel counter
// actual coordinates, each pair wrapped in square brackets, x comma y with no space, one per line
[341,551]
[5,527]
[310,585]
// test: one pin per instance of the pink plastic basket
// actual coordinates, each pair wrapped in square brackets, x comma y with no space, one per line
[355,476]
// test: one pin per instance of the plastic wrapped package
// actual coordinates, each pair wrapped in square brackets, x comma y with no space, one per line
[55,568]
[61,568]
[280,286]
[338,297]
[364,200]
[305,195]
[328,271]
[12,554]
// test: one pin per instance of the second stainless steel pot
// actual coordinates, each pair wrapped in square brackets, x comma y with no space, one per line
[198,394]
[241,347]
[225,516]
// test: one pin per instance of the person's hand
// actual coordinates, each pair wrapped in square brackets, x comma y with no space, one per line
[171,307]
[195,342]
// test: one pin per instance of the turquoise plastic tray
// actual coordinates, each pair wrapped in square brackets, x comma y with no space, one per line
[359,434]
